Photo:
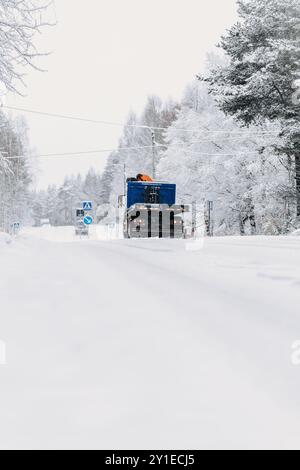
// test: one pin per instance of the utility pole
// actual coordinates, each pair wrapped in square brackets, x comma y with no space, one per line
[125,179]
[297,177]
[153,154]
[209,219]
[194,219]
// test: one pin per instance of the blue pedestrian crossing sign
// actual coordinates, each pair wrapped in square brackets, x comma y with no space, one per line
[88,220]
[87,206]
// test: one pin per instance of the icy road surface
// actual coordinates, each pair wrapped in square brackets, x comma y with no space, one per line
[143,344]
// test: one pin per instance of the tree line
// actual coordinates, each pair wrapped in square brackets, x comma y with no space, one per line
[58,204]
[20,21]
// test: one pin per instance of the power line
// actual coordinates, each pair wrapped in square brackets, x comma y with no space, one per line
[245,134]
[125,149]
[140,126]
[88,152]
[79,154]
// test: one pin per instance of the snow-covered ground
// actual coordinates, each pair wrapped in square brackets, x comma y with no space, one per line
[67,234]
[145,344]
[4,238]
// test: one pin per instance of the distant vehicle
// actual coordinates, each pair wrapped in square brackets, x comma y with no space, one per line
[151,210]
[45,223]
[81,229]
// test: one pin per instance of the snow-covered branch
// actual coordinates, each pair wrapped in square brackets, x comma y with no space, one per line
[20,21]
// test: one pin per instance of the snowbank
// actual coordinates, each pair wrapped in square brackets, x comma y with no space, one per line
[296,233]
[5,239]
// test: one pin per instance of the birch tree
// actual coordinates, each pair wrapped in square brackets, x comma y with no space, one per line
[20,22]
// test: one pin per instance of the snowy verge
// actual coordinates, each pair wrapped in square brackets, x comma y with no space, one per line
[5,239]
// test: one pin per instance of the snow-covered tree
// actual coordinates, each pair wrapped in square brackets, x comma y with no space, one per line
[15,175]
[210,155]
[20,21]
[258,84]
[58,204]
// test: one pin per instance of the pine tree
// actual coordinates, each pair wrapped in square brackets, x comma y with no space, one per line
[258,84]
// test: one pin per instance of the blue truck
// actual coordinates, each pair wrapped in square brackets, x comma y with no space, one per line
[151,211]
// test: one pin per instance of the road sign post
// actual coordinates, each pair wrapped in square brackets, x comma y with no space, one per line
[15,227]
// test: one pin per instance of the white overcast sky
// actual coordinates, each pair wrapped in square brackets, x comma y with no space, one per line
[107,56]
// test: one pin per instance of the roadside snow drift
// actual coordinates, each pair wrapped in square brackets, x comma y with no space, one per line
[4,239]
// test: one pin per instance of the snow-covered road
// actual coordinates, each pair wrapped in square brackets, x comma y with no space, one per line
[144,344]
